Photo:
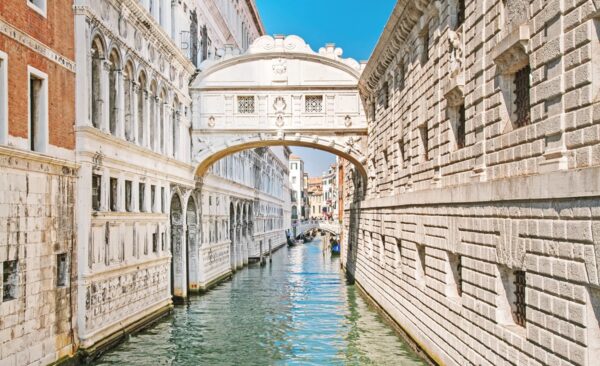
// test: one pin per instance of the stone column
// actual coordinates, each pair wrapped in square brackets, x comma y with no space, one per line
[146,120]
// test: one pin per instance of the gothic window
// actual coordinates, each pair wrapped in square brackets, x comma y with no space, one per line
[521,97]
[113,91]
[424,136]
[313,104]
[96,192]
[113,194]
[61,270]
[153,114]
[161,118]
[141,108]
[10,280]
[128,196]
[128,90]
[96,97]
[245,104]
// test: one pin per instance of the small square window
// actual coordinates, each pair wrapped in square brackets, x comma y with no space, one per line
[313,104]
[245,104]
[10,280]
[61,270]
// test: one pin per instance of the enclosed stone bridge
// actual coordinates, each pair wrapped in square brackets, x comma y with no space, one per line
[328,226]
[280,92]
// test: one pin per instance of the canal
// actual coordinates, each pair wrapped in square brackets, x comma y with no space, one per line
[296,310]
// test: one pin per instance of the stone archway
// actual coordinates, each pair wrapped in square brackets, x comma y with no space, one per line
[280,92]
[178,277]
[193,265]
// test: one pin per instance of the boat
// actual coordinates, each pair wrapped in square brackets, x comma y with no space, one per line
[335,248]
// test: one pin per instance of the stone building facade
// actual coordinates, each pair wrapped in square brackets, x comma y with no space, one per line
[37,182]
[140,206]
[315,197]
[479,228]
[245,211]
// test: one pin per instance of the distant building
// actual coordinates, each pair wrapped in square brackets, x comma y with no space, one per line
[297,191]
[315,197]
[330,193]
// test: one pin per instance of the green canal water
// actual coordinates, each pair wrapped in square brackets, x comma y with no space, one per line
[297,310]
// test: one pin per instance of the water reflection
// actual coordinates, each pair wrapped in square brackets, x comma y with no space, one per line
[298,310]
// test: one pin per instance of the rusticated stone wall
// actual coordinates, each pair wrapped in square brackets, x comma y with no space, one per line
[481,236]
[36,227]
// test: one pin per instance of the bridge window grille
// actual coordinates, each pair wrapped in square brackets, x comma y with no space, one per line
[313,104]
[245,104]
[520,307]
[522,88]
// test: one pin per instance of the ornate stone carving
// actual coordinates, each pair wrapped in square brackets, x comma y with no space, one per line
[279,105]
[456,53]
[348,121]
[279,121]
[137,39]
[211,121]
[279,70]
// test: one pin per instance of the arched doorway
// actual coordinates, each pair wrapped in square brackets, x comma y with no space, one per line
[191,218]
[178,286]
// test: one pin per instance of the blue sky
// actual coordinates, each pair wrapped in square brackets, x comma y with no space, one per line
[353,25]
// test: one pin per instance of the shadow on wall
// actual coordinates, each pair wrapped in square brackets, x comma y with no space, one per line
[353,226]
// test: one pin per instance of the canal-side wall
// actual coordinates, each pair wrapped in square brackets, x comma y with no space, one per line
[479,230]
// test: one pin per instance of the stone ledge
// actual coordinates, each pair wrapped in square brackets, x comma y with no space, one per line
[556,185]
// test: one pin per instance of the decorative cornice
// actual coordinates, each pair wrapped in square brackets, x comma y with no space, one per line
[256,17]
[404,18]
[35,45]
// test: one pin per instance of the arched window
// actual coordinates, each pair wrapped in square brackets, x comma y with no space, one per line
[141,107]
[152,115]
[128,89]
[98,54]
[113,91]
[161,117]
[175,127]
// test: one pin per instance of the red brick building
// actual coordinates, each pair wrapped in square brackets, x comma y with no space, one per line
[37,113]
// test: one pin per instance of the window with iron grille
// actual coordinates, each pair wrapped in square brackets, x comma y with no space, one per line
[313,104]
[245,104]
[96,191]
[460,127]
[10,280]
[522,87]
[424,134]
[520,307]
[459,285]
[61,270]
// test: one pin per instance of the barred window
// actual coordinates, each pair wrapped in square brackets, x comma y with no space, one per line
[313,104]
[10,280]
[246,104]
[520,307]
[460,127]
[522,86]
[459,280]
[460,13]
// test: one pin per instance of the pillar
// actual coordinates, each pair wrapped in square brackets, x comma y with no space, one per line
[104,96]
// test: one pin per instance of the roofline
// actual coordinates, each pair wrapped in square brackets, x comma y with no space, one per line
[256,17]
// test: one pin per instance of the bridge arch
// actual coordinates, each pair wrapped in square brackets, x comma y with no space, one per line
[280,92]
